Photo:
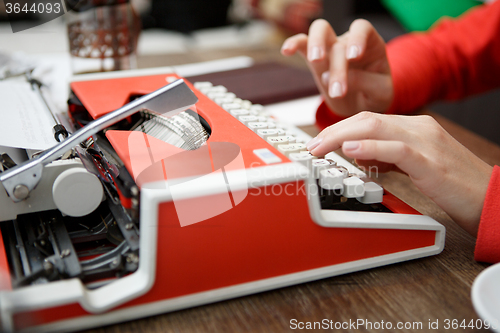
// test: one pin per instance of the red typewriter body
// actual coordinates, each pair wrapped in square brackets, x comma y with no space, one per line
[235,226]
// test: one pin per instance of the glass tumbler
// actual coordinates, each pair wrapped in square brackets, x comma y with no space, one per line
[103,35]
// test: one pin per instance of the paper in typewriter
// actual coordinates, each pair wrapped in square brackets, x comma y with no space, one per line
[24,121]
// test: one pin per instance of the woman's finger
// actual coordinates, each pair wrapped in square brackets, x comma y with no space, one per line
[297,43]
[338,71]
[321,37]
[394,152]
[359,32]
[364,125]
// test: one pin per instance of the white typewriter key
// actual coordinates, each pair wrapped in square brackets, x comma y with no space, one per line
[203,84]
[230,95]
[304,158]
[223,100]
[231,106]
[374,193]
[255,126]
[218,88]
[237,100]
[300,147]
[295,148]
[246,104]
[275,141]
[353,187]
[247,119]
[332,178]
[265,133]
[239,112]
[205,90]
[280,131]
[287,149]
[271,124]
[215,94]
[262,118]
[291,138]
[321,164]
[257,107]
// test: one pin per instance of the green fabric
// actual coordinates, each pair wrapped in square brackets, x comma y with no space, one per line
[420,15]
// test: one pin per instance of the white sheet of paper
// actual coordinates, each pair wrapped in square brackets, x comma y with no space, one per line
[24,120]
[298,112]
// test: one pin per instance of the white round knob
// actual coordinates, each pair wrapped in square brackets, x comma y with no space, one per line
[77,192]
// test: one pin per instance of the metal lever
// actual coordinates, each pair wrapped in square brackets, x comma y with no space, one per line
[22,179]
[59,129]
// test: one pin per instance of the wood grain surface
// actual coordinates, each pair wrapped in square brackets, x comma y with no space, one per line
[418,291]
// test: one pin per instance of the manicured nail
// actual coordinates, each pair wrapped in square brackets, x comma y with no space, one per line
[285,46]
[335,90]
[314,53]
[350,145]
[313,143]
[353,52]
[325,78]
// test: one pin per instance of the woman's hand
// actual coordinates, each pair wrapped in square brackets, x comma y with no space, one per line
[351,71]
[437,164]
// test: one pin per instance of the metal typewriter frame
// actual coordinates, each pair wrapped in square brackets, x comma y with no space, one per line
[22,179]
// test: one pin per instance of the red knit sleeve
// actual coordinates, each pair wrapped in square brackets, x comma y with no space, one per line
[457,58]
[488,237]
[325,117]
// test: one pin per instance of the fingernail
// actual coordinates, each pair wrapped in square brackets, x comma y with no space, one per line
[353,52]
[285,46]
[314,53]
[335,90]
[325,77]
[350,145]
[313,143]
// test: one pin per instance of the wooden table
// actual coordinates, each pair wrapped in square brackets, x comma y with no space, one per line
[423,290]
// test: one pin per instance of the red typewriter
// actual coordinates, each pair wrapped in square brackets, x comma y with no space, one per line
[215,202]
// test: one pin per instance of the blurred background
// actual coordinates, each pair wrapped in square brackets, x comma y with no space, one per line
[223,28]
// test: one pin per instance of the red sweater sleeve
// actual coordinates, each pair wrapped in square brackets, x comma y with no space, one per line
[457,58]
[488,236]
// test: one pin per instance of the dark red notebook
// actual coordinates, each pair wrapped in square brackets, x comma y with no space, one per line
[264,83]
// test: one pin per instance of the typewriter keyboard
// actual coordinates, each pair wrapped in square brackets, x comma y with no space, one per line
[338,181]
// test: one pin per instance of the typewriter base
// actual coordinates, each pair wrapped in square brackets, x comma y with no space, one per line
[229,256]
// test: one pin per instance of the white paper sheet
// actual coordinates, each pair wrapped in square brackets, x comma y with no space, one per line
[298,112]
[24,120]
